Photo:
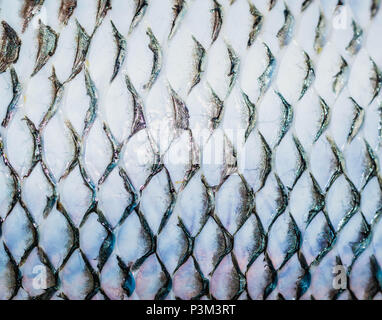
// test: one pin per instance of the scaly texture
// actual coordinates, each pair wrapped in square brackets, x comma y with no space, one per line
[191,149]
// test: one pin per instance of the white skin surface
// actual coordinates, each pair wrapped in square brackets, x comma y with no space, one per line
[224,204]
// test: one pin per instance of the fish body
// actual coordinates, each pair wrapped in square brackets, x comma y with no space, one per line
[181,149]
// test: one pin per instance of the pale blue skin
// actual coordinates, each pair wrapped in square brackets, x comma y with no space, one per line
[121,194]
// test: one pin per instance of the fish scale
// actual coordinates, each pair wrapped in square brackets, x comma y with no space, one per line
[190,149]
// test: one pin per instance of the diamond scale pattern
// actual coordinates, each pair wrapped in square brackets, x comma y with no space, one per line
[190,149]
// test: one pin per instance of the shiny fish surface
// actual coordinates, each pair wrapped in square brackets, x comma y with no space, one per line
[190,149]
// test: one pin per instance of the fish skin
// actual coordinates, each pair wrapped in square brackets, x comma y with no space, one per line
[12,107]
[200,54]
[154,46]
[318,203]
[309,76]
[325,116]
[372,171]
[116,150]
[67,8]
[272,4]
[256,26]
[103,7]
[251,115]
[374,8]
[47,43]
[217,20]
[58,91]
[36,133]
[91,113]
[287,118]
[129,283]
[266,77]
[308,199]
[217,111]
[303,160]
[181,113]
[83,43]
[356,41]
[139,121]
[234,68]
[36,157]
[340,77]
[30,9]
[305,4]
[10,47]
[285,33]
[140,10]
[294,240]
[272,282]
[39,142]
[76,140]
[121,51]
[355,202]
[179,9]
[267,160]
[131,190]
[358,119]
[319,40]
[376,80]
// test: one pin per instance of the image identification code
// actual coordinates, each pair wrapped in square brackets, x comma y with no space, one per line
[193,309]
